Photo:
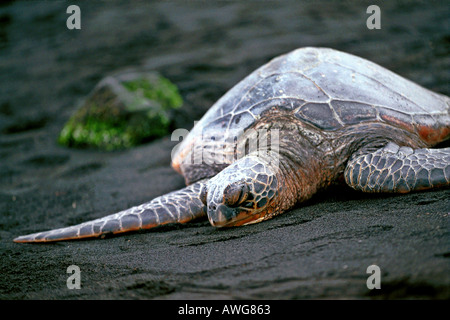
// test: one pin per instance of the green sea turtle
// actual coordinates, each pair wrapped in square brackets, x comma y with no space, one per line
[292,127]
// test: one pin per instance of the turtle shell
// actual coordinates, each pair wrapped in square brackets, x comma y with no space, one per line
[328,89]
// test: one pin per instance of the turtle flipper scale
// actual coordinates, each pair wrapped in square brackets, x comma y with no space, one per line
[179,206]
[399,169]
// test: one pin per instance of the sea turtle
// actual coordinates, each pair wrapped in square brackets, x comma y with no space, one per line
[295,125]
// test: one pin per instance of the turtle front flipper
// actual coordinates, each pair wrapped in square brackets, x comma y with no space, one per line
[399,169]
[176,207]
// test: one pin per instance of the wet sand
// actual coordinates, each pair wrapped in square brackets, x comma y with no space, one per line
[319,250]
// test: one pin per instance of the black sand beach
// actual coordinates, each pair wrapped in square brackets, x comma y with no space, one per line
[320,250]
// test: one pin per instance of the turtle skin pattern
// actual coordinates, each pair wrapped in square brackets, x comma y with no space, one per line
[176,207]
[399,169]
[240,192]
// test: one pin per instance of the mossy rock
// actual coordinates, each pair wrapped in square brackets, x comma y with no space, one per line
[123,111]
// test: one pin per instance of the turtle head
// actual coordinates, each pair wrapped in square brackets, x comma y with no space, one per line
[243,193]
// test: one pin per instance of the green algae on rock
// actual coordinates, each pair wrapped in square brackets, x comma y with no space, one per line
[123,111]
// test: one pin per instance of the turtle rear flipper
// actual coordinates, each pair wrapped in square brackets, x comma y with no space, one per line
[399,169]
[179,206]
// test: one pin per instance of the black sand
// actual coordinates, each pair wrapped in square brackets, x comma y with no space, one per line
[320,250]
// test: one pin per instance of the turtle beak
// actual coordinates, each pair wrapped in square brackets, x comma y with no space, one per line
[223,216]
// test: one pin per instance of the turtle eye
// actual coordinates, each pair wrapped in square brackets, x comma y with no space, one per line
[235,194]
[203,194]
